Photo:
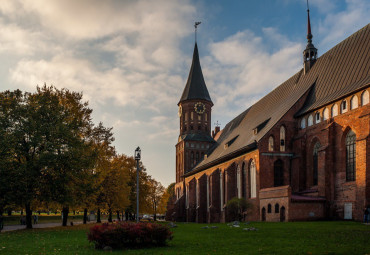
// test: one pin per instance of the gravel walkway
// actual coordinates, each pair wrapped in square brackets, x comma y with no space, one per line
[40,225]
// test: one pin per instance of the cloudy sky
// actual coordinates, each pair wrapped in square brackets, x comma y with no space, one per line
[131,58]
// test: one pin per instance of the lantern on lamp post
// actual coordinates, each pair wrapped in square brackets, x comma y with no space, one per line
[137,158]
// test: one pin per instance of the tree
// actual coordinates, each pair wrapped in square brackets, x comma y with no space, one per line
[236,207]
[156,191]
[114,191]
[47,145]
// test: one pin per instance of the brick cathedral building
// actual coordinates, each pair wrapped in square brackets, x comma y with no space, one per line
[302,152]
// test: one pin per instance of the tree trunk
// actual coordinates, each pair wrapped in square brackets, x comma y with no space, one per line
[9,212]
[28,215]
[110,215]
[118,217]
[126,216]
[65,212]
[98,220]
[155,212]
[85,215]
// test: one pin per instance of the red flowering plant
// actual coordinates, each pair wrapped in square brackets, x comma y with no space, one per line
[128,235]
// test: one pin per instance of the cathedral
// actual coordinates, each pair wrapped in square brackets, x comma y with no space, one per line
[302,152]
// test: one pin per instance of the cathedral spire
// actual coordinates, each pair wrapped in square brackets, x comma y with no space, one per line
[195,87]
[310,53]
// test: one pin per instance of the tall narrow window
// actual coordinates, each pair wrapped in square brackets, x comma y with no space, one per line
[343,106]
[192,159]
[243,181]
[252,177]
[351,156]
[191,115]
[269,208]
[196,157]
[315,163]
[354,102]
[303,123]
[317,117]
[186,116]
[271,143]
[334,110]
[205,117]
[278,173]
[310,121]
[365,98]
[325,114]
[282,138]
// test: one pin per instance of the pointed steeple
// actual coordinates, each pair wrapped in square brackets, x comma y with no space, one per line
[195,86]
[310,53]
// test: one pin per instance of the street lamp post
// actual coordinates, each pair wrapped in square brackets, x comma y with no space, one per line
[137,158]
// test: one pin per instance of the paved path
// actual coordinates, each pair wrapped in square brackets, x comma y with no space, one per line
[40,225]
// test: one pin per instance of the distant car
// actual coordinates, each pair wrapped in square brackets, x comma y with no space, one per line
[146,218]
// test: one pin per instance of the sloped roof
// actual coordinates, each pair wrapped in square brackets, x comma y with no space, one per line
[342,70]
[195,87]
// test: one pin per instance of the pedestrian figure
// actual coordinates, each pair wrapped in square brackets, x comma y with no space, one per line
[35,219]
[366,215]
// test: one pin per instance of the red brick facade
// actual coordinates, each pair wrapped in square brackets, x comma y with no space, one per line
[312,162]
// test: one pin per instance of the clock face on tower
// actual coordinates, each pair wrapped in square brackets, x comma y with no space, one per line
[199,108]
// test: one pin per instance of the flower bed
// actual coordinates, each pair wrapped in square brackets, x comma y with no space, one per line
[129,235]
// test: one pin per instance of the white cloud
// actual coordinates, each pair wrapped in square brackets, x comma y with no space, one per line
[337,26]
[241,68]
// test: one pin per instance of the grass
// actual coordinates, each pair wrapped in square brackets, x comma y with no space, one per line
[271,238]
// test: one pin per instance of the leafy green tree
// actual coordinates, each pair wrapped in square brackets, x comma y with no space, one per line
[48,145]
[236,207]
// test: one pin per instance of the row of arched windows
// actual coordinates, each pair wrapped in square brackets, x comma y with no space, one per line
[276,208]
[334,110]
[350,143]
[281,140]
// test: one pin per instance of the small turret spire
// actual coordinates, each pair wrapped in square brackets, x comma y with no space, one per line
[309,35]
[310,53]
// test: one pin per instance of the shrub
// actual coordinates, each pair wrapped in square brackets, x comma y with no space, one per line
[129,235]
[236,207]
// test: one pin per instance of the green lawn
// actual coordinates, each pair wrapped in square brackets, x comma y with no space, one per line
[271,238]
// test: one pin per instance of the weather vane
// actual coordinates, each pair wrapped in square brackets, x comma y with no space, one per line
[217,124]
[196,24]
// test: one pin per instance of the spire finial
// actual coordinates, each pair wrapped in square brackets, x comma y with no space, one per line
[309,35]
[196,24]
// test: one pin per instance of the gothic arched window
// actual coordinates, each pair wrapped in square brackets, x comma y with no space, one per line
[354,102]
[278,173]
[282,138]
[365,98]
[192,159]
[351,156]
[252,180]
[303,123]
[310,121]
[271,143]
[315,164]
[277,208]
[325,114]
[243,174]
[343,106]
[269,208]
[334,110]
[317,117]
